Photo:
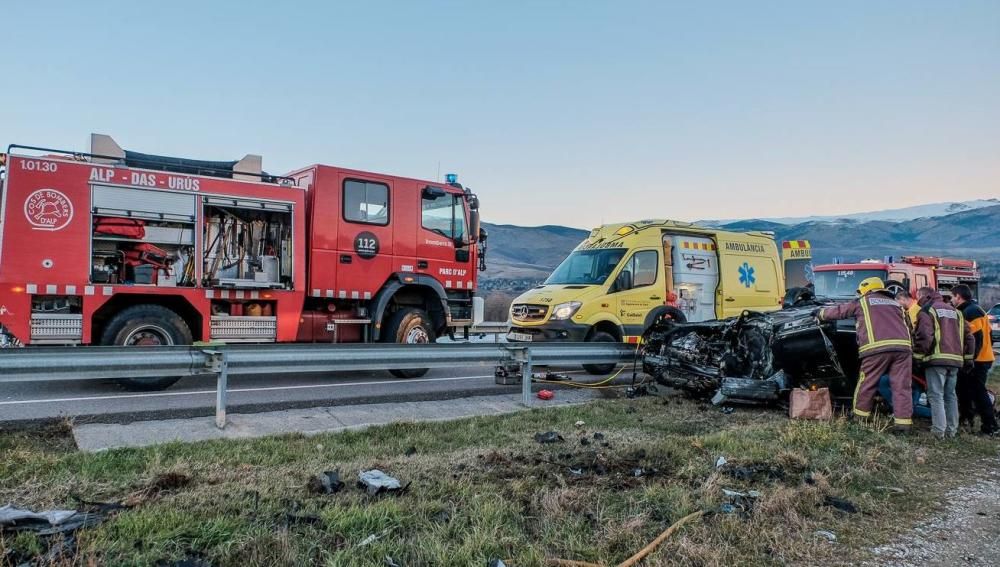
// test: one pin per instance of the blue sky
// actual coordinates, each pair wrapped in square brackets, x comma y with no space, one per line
[570,113]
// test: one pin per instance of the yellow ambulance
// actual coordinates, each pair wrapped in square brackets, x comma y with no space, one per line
[623,277]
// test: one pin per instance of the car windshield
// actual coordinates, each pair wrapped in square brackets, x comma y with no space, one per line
[842,283]
[586,267]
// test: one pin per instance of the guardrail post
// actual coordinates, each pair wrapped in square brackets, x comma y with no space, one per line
[218,364]
[525,376]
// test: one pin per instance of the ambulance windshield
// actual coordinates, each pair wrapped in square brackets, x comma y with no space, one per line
[586,267]
[842,283]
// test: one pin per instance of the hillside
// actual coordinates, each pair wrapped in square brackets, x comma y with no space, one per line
[527,253]
[892,215]
[520,256]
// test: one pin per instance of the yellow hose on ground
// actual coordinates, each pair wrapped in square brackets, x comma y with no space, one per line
[640,555]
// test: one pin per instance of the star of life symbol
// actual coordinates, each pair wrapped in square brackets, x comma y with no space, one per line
[746,275]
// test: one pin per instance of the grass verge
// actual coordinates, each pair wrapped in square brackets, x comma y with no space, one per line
[483,488]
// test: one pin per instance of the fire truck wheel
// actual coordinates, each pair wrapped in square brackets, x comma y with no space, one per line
[409,326]
[146,325]
[598,369]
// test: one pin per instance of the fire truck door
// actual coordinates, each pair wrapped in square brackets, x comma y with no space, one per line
[364,243]
[441,251]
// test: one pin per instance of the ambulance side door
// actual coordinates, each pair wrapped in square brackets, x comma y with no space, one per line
[637,289]
[749,277]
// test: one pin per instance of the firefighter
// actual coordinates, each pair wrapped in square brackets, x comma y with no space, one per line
[884,347]
[972,391]
[941,340]
[909,304]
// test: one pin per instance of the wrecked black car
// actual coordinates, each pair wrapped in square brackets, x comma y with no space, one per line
[756,357]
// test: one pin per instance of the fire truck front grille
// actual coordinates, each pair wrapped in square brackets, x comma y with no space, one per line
[528,312]
[56,328]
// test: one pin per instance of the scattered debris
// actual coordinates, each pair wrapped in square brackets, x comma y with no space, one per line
[377,482]
[48,522]
[721,462]
[546,394]
[327,482]
[830,536]
[496,563]
[390,562]
[368,540]
[599,436]
[549,437]
[840,504]
[727,410]
[752,471]
[412,450]
[741,503]
[892,489]
[580,423]
[584,441]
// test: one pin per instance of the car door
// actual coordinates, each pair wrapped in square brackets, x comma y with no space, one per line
[636,289]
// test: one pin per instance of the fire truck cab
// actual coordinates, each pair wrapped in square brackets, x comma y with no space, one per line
[115,247]
[840,281]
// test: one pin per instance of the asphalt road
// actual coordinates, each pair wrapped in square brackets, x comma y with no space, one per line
[99,401]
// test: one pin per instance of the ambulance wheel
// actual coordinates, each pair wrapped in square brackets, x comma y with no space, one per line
[409,326]
[599,369]
[146,325]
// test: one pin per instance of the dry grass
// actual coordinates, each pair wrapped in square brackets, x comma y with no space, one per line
[482,488]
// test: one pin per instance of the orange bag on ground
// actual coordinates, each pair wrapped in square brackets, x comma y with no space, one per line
[810,404]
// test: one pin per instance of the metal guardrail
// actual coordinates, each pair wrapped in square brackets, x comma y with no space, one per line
[222,361]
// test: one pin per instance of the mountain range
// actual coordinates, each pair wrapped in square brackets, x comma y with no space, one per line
[519,256]
[929,210]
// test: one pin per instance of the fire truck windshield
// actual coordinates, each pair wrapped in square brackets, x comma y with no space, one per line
[842,283]
[586,267]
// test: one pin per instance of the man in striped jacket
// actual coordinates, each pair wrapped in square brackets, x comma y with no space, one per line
[884,347]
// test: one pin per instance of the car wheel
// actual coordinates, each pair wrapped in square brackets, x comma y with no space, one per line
[598,369]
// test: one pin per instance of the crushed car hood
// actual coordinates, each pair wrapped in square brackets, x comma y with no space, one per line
[753,357]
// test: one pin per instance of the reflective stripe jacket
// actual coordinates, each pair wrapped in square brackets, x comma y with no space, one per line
[942,338]
[880,320]
[980,326]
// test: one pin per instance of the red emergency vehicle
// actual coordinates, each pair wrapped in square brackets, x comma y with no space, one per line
[115,247]
[909,272]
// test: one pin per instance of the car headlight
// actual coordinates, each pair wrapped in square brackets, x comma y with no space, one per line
[565,310]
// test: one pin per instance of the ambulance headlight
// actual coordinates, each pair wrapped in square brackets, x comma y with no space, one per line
[566,310]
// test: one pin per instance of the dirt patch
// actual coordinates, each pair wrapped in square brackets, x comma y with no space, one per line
[964,534]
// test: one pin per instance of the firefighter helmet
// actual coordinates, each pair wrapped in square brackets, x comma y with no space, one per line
[869,285]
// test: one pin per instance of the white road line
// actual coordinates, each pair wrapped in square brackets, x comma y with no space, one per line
[375,382]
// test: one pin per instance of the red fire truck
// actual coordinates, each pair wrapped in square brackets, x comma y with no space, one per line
[908,272]
[115,247]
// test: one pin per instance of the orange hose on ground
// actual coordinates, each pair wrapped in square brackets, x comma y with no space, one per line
[659,539]
[640,555]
